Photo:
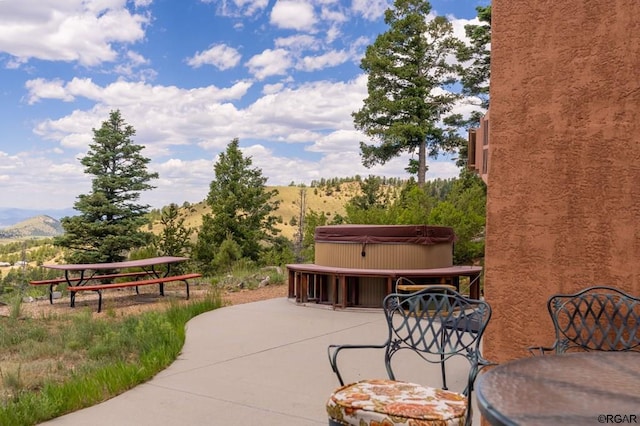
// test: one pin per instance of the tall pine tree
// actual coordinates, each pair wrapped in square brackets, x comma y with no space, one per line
[410,69]
[241,210]
[111,219]
[476,60]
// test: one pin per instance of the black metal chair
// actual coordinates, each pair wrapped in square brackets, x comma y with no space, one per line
[406,285]
[416,323]
[598,318]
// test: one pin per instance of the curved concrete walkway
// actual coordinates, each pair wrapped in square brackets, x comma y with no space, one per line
[262,363]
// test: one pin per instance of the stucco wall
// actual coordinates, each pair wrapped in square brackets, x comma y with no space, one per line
[563,209]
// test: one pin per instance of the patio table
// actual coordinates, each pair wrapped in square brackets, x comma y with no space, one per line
[570,389]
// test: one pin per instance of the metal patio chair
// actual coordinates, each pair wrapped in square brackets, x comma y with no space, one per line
[598,318]
[415,323]
[406,285]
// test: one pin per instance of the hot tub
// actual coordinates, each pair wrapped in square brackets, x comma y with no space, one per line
[384,246]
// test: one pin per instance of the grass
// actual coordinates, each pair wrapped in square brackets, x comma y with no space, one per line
[61,363]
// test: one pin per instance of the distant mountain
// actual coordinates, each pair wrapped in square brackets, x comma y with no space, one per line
[35,227]
[11,216]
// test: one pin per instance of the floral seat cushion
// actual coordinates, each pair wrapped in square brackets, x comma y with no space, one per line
[390,403]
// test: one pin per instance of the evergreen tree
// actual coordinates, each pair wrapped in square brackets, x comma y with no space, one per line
[241,209]
[412,206]
[409,71]
[465,211]
[475,73]
[312,220]
[110,221]
[175,237]
[370,206]
[476,76]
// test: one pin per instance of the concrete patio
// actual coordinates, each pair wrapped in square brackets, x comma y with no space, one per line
[262,363]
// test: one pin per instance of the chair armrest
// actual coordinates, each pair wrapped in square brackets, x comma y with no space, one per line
[333,351]
[541,350]
[482,363]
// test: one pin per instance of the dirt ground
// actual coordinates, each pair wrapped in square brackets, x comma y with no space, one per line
[125,301]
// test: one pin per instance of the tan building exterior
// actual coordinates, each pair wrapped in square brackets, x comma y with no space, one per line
[563,204]
[478,149]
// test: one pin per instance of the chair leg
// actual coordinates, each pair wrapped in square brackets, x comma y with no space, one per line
[442,366]
[444,373]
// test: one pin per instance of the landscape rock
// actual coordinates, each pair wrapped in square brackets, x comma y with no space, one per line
[264,282]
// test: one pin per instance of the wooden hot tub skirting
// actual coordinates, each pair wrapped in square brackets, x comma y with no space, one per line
[347,287]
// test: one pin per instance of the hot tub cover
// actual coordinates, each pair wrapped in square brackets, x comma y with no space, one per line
[371,234]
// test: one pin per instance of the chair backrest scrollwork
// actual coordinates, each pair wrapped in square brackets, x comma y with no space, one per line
[437,323]
[597,318]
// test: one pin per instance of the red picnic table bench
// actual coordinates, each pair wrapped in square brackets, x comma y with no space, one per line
[86,276]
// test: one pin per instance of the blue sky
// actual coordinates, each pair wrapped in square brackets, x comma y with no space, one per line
[283,76]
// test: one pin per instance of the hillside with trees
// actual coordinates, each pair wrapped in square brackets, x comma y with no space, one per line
[245,224]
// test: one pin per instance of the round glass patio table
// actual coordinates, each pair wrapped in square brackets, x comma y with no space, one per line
[569,389]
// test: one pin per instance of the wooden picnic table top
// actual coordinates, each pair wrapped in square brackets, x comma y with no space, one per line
[140,263]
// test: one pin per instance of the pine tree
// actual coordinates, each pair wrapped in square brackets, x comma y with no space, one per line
[241,209]
[111,219]
[175,237]
[476,76]
[409,71]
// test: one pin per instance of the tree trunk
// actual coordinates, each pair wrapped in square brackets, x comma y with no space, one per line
[422,163]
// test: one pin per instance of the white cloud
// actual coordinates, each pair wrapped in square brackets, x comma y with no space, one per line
[74,30]
[332,34]
[272,88]
[136,58]
[131,93]
[329,59]
[293,15]
[177,176]
[131,67]
[167,117]
[333,15]
[239,7]
[315,117]
[221,56]
[298,42]
[459,24]
[97,6]
[313,107]
[52,89]
[52,187]
[269,63]
[370,9]
[142,3]
[358,47]
[336,142]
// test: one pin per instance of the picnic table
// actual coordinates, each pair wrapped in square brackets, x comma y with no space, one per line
[100,276]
